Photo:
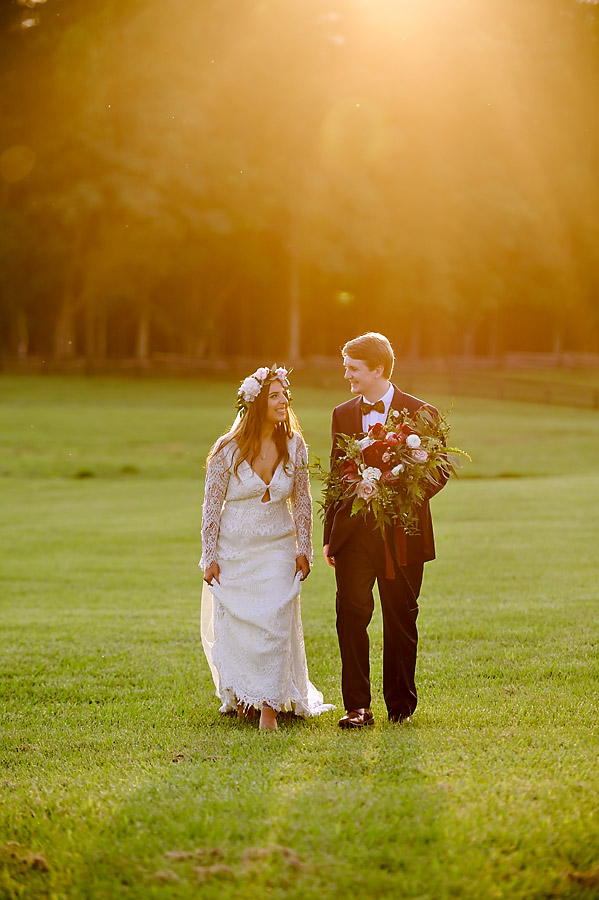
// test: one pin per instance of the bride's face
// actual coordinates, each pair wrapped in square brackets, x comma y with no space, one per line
[278,403]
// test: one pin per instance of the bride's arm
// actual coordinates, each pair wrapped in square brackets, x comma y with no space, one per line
[217,482]
[301,500]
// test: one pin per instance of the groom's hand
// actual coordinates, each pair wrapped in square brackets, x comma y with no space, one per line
[330,559]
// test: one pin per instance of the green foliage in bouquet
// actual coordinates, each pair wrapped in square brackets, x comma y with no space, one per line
[390,471]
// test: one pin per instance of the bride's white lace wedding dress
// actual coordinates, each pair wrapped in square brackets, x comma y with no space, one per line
[251,622]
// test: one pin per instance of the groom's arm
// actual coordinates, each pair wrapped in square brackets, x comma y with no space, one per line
[413,404]
[443,477]
[330,513]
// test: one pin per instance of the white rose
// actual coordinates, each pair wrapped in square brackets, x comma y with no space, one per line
[413,441]
[420,455]
[371,474]
[367,489]
[397,470]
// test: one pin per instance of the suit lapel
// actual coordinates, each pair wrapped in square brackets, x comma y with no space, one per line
[355,426]
[397,401]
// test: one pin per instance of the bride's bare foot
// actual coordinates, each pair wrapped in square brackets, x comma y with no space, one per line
[268,718]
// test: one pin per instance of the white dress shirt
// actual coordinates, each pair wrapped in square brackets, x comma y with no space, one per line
[372,417]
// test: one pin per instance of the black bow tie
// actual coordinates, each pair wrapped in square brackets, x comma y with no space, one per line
[366,408]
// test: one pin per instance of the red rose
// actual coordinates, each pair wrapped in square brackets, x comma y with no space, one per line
[404,432]
[349,468]
[388,476]
[373,455]
[377,431]
[392,439]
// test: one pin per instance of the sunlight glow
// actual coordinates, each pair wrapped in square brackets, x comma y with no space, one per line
[16,163]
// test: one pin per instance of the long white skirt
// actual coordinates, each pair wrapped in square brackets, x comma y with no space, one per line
[253,640]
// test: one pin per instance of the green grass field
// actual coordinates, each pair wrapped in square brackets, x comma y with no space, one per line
[119,779]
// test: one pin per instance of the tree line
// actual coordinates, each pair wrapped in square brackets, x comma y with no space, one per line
[270,177]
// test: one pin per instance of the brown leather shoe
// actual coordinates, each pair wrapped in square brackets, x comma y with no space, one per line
[356,718]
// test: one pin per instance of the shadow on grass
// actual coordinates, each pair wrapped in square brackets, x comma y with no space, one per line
[309,811]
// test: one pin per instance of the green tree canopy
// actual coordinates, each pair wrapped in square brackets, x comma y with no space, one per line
[268,177]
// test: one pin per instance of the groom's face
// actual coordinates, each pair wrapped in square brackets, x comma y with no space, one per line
[362,380]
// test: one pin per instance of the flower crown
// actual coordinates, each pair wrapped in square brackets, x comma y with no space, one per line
[253,384]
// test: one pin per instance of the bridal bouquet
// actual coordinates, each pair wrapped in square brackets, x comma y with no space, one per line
[390,471]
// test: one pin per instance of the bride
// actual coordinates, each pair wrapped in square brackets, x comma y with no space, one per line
[256,550]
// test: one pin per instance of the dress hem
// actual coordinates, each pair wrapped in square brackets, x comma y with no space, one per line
[298,707]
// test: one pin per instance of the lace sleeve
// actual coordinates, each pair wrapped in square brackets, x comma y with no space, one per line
[301,500]
[217,482]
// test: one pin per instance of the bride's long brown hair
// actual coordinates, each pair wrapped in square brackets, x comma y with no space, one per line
[247,431]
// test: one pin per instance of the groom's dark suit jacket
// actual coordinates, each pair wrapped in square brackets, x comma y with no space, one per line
[339,523]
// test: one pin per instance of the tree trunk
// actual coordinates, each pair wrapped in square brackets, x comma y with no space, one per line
[90,332]
[293,353]
[414,344]
[101,343]
[468,342]
[142,344]
[558,337]
[22,334]
[493,335]
[64,331]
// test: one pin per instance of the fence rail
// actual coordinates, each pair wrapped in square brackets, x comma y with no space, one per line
[526,390]
[458,376]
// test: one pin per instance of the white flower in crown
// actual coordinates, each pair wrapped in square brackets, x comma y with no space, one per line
[253,384]
[250,388]
[371,474]
[413,441]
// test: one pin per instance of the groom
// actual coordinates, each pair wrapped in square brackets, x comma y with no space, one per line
[360,555]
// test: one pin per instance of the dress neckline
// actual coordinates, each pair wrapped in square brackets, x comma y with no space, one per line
[265,483]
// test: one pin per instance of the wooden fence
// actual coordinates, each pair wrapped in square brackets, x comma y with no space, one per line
[576,385]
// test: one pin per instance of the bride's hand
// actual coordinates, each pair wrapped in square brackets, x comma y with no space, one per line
[302,565]
[211,573]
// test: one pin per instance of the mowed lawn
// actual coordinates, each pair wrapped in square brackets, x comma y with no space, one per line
[119,778]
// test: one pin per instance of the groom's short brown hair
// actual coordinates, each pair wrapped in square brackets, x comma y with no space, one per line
[374,349]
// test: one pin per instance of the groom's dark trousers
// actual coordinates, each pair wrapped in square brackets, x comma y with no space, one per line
[358,563]
[361,558]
